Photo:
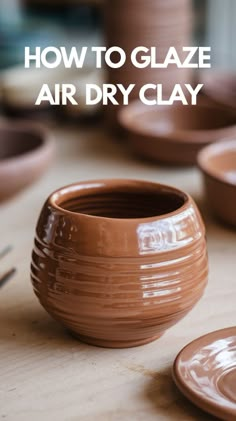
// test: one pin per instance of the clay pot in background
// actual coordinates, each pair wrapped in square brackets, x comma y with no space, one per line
[154,23]
[118,262]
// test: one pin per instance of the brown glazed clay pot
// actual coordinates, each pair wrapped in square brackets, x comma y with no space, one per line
[118,262]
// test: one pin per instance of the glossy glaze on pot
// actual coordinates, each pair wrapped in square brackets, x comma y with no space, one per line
[205,371]
[119,261]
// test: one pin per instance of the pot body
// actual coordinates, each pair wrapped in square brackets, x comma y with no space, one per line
[123,281]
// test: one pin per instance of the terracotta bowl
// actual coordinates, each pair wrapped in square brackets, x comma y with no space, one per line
[175,134]
[218,165]
[25,152]
[118,262]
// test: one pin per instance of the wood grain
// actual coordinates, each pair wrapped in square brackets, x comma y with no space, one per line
[48,375]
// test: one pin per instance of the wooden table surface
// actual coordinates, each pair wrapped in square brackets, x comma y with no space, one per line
[47,375]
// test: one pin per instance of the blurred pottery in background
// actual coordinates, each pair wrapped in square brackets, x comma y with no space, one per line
[20,88]
[156,23]
[220,87]
[175,134]
[218,165]
[118,262]
[83,78]
[25,152]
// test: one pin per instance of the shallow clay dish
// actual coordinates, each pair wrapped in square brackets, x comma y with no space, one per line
[175,134]
[118,262]
[25,152]
[218,165]
[205,372]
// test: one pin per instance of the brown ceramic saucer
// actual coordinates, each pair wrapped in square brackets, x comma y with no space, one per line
[218,165]
[205,372]
[25,152]
[175,134]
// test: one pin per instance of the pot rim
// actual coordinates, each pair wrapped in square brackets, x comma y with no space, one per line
[72,190]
